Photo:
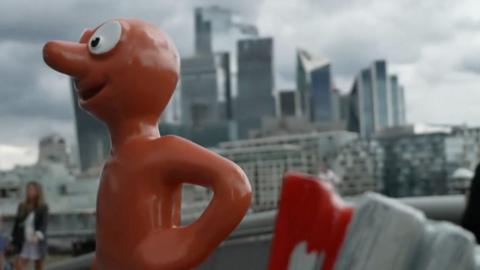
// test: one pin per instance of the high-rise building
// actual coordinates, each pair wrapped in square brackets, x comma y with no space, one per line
[381,95]
[200,83]
[394,90]
[314,84]
[398,102]
[254,99]
[376,101]
[287,103]
[218,29]
[362,113]
[92,137]
[402,106]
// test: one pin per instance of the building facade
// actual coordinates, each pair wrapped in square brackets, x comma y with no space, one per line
[286,101]
[359,166]
[314,84]
[53,148]
[381,95]
[200,84]
[217,29]
[255,100]
[265,160]
[377,101]
[424,164]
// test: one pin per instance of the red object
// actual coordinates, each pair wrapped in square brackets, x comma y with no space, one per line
[125,72]
[309,211]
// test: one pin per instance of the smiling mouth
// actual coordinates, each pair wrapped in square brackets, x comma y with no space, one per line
[86,94]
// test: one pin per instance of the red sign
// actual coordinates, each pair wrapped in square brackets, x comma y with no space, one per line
[311,225]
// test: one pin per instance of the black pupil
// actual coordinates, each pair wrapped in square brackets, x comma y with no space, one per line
[95,42]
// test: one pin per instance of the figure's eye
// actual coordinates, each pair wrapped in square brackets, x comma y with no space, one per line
[105,38]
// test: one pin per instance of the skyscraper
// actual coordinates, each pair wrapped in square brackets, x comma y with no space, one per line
[366,101]
[199,90]
[287,101]
[402,106]
[395,95]
[314,83]
[376,101]
[255,84]
[218,29]
[381,95]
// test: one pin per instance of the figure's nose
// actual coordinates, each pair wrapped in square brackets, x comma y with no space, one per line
[66,57]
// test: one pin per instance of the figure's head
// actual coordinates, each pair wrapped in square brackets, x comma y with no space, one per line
[123,69]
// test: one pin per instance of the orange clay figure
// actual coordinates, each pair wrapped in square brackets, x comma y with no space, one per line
[125,72]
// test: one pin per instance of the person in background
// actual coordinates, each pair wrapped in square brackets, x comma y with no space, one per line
[471,216]
[29,237]
[3,244]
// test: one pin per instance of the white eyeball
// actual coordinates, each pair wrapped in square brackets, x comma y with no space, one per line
[105,38]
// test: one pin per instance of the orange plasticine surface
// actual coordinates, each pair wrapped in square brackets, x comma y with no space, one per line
[125,72]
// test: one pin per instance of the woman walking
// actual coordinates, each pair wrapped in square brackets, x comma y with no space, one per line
[29,231]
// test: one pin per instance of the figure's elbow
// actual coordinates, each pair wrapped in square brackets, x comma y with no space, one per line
[238,189]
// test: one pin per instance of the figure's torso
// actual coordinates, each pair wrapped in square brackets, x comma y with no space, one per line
[135,199]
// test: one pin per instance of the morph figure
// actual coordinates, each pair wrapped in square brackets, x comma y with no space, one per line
[125,72]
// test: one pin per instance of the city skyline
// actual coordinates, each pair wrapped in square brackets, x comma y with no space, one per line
[35,101]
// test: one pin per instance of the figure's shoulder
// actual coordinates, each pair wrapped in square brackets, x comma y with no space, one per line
[174,145]
[175,142]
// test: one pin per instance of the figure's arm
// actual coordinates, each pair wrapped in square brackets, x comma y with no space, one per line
[190,163]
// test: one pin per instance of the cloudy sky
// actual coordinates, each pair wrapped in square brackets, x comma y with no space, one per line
[433,45]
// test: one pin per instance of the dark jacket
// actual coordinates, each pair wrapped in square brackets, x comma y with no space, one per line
[471,216]
[40,224]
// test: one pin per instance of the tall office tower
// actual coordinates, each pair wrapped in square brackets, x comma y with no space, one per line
[314,83]
[365,107]
[402,105]
[396,101]
[376,101]
[255,84]
[381,95]
[218,29]
[344,110]
[201,81]
[287,103]
[92,137]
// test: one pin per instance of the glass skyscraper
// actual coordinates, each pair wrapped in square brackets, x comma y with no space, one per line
[367,103]
[395,100]
[381,95]
[200,85]
[376,101]
[255,99]
[314,83]
[287,103]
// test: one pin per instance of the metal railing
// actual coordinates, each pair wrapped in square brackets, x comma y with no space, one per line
[254,233]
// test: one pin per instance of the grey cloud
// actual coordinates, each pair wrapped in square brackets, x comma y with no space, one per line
[470,63]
